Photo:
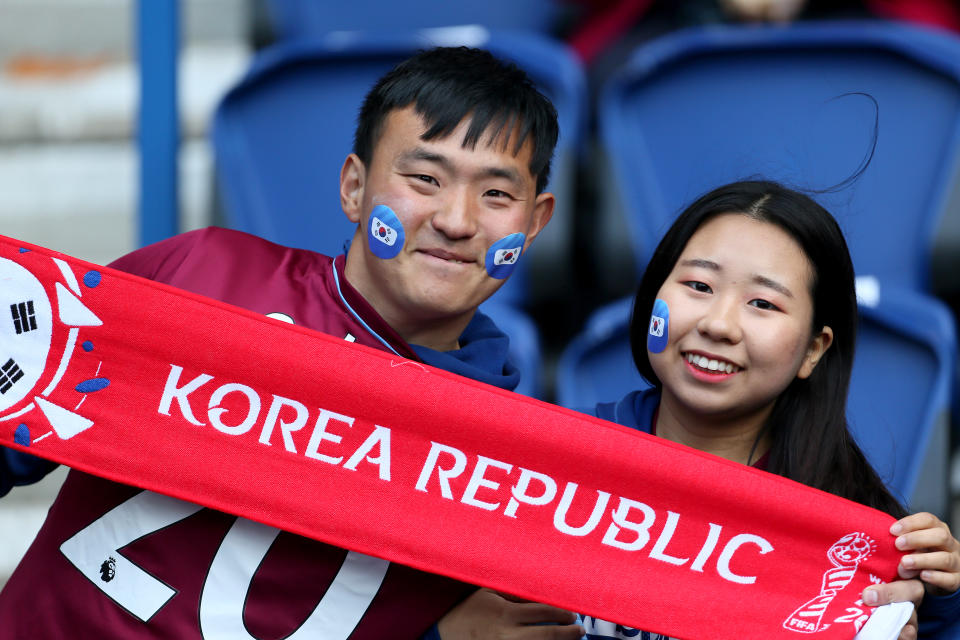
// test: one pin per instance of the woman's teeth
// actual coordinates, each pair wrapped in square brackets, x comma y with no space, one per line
[709,364]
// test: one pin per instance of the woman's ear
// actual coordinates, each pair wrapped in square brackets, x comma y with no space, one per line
[352,178]
[818,346]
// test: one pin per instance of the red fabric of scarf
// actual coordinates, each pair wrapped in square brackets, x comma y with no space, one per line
[150,386]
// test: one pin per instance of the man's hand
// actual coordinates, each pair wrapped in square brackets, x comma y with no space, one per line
[488,615]
[935,561]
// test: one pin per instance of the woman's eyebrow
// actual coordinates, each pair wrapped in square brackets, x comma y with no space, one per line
[702,263]
[761,280]
[770,283]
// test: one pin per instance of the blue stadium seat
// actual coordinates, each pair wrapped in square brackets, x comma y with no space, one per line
[597,366]
[524,349]
[899,395]
[299,18]
[706,106]
[281,135]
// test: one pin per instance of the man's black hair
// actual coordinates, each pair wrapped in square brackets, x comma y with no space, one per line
[446,85]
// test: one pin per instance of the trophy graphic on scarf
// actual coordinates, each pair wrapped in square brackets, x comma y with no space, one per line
[846,554]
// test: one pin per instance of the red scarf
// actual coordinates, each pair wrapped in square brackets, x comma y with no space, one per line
[147,385]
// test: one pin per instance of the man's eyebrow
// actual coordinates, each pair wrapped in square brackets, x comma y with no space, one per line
[507,173]
[763,281]
[419,153]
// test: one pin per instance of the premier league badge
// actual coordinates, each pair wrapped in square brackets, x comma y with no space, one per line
[385,232]
[658,335]
[503,255]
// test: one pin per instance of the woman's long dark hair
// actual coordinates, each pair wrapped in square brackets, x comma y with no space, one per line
[811,442]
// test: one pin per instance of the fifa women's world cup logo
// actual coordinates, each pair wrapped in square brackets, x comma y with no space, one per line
[846,555]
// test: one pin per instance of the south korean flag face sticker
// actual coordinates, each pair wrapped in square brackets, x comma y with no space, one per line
[503,255]
[384,232]
[659,332]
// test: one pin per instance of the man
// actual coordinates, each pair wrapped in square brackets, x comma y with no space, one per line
[446,185]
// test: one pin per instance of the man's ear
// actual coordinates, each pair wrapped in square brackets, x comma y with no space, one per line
[353,176]
[818,346]
[542,212]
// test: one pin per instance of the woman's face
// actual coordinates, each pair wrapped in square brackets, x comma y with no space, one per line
[740,316]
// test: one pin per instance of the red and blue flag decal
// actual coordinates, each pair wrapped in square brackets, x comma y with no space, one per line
[503,255]
[385,232]
[659,333]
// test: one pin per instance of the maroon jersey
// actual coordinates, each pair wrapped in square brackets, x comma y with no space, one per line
[197,573]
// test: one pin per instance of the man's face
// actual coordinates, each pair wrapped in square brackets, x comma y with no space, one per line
[453,203]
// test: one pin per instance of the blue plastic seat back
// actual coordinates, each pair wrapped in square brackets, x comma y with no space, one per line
[281,135]
[899,396]
[900,393]
[299,18]
[525,351]
[597,365]
[703,107]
